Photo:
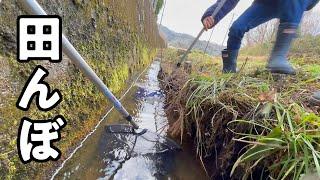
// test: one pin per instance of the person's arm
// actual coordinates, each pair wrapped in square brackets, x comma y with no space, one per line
[226,8]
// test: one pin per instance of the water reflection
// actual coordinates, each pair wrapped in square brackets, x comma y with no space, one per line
[127,156]
[136,156]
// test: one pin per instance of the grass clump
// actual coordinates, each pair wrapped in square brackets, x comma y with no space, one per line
[291,140]
[250,124]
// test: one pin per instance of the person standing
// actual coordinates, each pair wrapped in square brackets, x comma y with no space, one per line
[289,12]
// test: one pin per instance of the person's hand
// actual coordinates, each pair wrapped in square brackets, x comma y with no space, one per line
[208,22]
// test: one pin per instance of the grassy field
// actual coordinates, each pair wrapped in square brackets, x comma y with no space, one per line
[250,124]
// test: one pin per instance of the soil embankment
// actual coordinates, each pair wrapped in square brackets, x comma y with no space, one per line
[243,125]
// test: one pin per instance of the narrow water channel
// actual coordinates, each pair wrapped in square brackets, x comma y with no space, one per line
[146,102]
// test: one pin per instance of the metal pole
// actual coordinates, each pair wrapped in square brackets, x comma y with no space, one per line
[33,7]
[205,49]
[190,47]
[215,12]
[225,36]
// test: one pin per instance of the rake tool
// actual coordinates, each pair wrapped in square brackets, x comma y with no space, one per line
[32,7]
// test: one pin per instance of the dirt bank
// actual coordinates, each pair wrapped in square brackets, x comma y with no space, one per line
[232,120]
[205,136]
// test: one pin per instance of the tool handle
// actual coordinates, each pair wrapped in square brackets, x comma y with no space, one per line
[190,48]
[32,7]
[215,12]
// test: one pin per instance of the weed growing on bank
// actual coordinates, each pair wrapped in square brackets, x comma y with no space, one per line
[246,124]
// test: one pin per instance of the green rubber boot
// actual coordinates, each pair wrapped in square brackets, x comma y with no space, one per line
[278,62]
[229,58]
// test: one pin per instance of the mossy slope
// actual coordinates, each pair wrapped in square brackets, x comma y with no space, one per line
[117,38]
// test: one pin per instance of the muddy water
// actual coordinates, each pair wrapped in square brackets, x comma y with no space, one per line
[145,101]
